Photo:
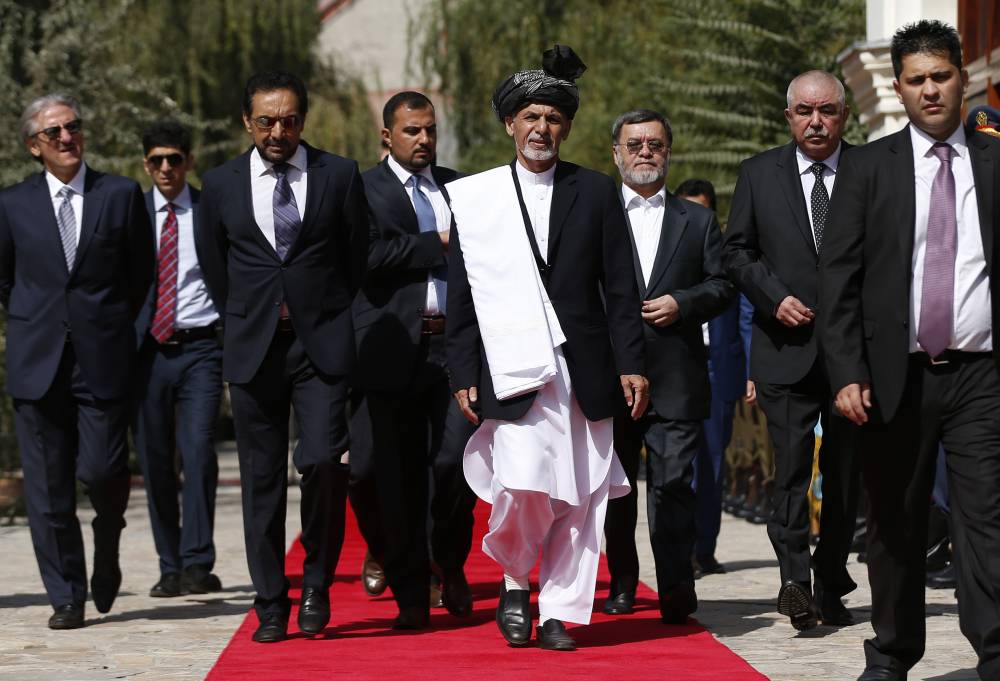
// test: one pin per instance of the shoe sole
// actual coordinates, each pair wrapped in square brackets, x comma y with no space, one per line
[65,626]
[795,604]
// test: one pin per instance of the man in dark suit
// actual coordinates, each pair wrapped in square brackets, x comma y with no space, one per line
[76,261]
[910,318]
[676,256]
[179,382]
[414,423]
[772,249]
[285,229]
[544,343]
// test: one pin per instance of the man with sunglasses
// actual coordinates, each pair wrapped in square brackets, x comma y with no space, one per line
[76,261]
[179,383]
[285,238]
[676,249]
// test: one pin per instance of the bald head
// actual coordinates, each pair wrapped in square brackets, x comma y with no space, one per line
[812,80]
[816,113]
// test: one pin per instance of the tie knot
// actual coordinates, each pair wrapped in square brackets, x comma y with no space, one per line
[943,151]
[171,207]
[280,170]
[65,193]
[817,169]
[415,180]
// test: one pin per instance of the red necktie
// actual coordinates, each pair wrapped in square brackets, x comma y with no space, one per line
[166,280]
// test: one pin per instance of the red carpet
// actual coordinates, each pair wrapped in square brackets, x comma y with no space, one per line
[360,645]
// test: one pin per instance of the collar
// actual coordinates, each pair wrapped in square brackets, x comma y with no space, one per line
[260,166]
[922,142]
[546,177]
[831,161]
[76,184]
[404,175]
[632,198]
[182,202]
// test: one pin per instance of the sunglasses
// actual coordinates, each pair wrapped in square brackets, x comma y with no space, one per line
[157,160]
[51,134]
[268,122]
[635,146]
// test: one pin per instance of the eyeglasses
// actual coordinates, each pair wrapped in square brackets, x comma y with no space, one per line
[51,134]
[268,122]
[635,146]
[157,160]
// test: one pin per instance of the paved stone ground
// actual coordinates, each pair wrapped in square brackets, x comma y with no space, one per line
[173,639]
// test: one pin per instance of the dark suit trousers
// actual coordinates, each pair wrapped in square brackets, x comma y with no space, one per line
[792,412]
[287,379]
[671,447]
[958,404]
[65,436]
[718,428]
[179,393]
[395,437]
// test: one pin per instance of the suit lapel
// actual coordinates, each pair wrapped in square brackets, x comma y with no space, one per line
[983,172]
[674,223]
[631,240]
[93,202]
[244,181]
[563,197]
[901,149]
[398,200]
[787,173]
[42,197]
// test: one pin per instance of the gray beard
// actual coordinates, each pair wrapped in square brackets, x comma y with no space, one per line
[642,177]
[538,154]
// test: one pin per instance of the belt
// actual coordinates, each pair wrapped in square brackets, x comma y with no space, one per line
[432,325]
[180,336]
[285,325]
[948,357]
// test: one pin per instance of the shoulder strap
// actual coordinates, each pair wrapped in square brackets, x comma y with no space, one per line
[543,267]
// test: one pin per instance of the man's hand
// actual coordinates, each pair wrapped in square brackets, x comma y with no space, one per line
[662,311]
[852,400]
[444,236]
[466,399]
[791,312]
[636,389]
[751,394]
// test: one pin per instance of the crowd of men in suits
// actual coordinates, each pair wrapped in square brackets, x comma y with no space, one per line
[431,352]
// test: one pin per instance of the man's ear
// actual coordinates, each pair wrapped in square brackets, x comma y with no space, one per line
[508,123]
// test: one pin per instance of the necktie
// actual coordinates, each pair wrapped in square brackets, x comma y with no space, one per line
[166,280]
[428,223]
[938,293]
[820,203]
[67,226]
[286,212]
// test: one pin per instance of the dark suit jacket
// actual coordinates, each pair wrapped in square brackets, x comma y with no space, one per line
[318,278]
[389,307]
[688,267]
[769,253]
[726,354]
[588,255]
[866,270]
[96,302]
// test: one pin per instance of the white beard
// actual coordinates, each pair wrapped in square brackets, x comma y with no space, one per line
[642,177]
[538,154]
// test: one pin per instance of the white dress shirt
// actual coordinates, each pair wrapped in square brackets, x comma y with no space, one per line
[646,219]
[973,322]
[194,306]
[809,180]
[262,181]
[536,188]
[75,200]
[442,215]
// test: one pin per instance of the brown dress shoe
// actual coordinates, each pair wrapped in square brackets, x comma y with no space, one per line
[372,576]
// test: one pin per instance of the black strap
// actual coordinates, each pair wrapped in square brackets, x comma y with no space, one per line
[543,267]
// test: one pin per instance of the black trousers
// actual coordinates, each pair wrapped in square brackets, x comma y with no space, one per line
[957,404]
[287,378]
[792,412]
[395,437]
[69,435]
[671,447]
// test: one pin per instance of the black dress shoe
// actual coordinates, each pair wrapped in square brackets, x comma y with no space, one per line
[795,602]
[372,576]
[273,628]
[552,636]
[67,616]
[943,579]
[939,555]
[709,565]
[622,604]
[412,619]
[456,594]
[678,603]
[832,611]
[514,615]
[314,609]
[105,581]
[881,674]
[169,586]
[198,579]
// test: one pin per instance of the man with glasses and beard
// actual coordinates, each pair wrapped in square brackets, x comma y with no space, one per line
[676,249]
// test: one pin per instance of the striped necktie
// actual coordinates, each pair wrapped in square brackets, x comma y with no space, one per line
[286,212]
[166,280]
[67,226]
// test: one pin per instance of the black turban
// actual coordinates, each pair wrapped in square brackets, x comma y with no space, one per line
[553,85]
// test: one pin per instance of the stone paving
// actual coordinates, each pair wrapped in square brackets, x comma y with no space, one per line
[173,639]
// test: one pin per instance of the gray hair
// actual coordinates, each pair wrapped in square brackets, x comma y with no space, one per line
[40,104]
[829,77]
[641,116]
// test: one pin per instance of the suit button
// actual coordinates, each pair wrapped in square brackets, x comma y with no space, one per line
[420,310]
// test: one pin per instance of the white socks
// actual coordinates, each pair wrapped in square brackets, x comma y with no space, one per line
[516,583]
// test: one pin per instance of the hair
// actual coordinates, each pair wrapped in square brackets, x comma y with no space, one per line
[409,98]
[841,94]
[166,134]
[40,104]
[928,36]
[641,116]
[268,81]
[697,187]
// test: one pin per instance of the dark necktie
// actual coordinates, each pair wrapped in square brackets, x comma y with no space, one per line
[67,226]
[820,203]
[166,280]
[286,211]
[938,293]
[427,222]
